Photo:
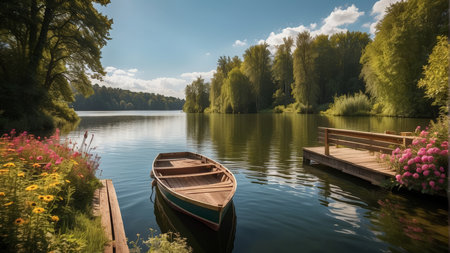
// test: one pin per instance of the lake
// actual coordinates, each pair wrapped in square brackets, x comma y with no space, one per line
[280,204]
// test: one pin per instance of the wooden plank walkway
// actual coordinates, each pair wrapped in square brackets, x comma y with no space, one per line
[106,205]
[359,163]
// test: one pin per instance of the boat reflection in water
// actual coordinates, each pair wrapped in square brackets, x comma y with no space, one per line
[199,237]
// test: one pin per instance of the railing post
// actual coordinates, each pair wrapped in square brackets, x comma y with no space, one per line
[327,147]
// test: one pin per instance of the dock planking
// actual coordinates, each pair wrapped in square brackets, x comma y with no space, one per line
[107,206]
[354,152]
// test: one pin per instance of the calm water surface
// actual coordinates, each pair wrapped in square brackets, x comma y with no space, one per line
[280,204]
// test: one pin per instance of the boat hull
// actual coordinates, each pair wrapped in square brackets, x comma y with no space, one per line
[211,218]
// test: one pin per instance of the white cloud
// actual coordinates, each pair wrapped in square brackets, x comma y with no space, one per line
[366,25]
[339,17]
[239,43]
[379,11]
[208,54]
[193,75]
[168,86]
[330,25]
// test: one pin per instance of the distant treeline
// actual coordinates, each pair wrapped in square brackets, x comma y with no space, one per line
[394,74]
[107,98]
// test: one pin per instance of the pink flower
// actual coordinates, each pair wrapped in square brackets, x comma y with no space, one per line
[405,167]
[437,173]
[443,175]
[429,145]
[444,152]
[382,156]
[426,172]
[417,159]
[39,158]
[415,175]
[31,157]
[430,159]
[406,174]
[441,181]
[432,183]
[410,161]
[424,159]
[415,142]
[444,144]
[419,170]
[58,161]
[423,133]
[398,178]
[431,166]
[441,169]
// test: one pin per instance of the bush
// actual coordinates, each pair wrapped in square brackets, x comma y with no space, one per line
[162,243]
[423,166]
[43,184]
[346,105]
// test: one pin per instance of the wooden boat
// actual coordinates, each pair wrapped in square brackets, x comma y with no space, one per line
[195,185]
[199,238]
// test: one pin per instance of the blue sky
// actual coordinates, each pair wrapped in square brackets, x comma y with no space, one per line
[160,46]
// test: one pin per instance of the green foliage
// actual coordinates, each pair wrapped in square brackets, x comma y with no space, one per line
[356,105]
[282,72]
[257,67]
[435,80]
[197,96]
[162,243]
[304,89]
[392,63]
[107,98]
[48,48]
[45,188]
[219,102]
[237,91]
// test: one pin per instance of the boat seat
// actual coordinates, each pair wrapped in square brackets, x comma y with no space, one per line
[205,186]
[205,165]
[192,175]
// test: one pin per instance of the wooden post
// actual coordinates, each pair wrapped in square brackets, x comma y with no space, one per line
[327,147]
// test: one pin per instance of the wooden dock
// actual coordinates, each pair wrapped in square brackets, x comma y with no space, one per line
[353,152]
[107,206]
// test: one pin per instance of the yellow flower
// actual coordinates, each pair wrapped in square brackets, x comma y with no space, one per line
[19,221]
[44,174]
[21,174]
[68,181]
[4,171]
[8,204]
[41,197]
[2,194]
[32,187]
[55,218]
[48,198]
[31,203]
[53,184]
[9,165]
[36,165]
[38,210]
[75,162]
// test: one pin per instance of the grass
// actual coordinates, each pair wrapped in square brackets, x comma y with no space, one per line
[347,105]
[89,229]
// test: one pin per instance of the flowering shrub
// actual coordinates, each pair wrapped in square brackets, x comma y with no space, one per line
[42,184]
[423,165]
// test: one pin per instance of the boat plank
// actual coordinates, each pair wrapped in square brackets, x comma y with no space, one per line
[193,174]
[199,166]
[120,240]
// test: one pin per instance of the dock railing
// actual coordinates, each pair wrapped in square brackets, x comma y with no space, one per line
[376,142]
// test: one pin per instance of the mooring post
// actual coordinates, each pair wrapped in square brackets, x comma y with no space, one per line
[327,147]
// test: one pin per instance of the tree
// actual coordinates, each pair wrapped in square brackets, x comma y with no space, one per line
[304,88]
[237,90]
[435,75]
[224,66]
[47,47]
[282,72]
[257,67]
[197,96]
[348,48]
[326,69]
[392,63]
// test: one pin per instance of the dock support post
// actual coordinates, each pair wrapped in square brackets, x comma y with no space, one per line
[327,147]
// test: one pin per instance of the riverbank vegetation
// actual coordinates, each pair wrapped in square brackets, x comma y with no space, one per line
[107,98]
[423,166]
[403,71]
[49,51]
[46,190]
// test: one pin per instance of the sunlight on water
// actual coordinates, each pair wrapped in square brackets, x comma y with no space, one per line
[280,205]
